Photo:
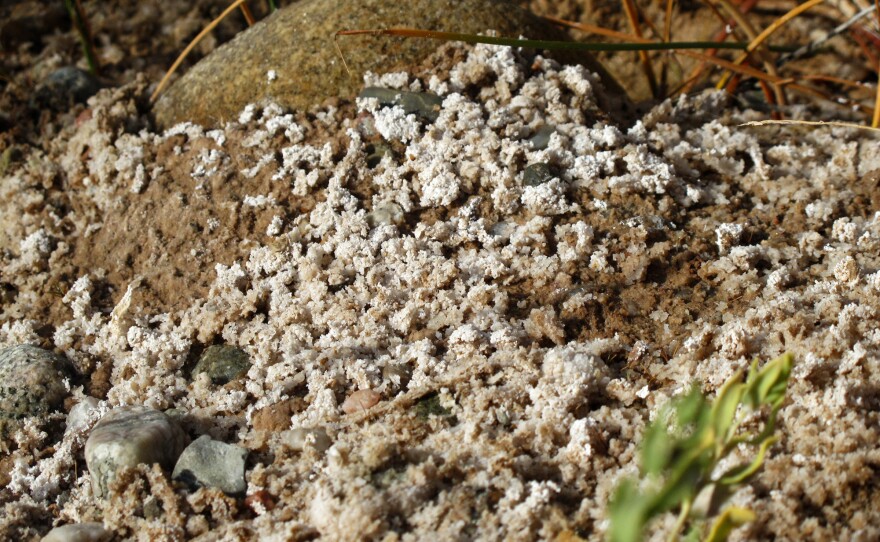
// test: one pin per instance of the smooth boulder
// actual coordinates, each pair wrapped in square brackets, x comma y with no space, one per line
[296,44]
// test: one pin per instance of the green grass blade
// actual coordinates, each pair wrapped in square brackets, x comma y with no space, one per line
[729,520]
[552,45]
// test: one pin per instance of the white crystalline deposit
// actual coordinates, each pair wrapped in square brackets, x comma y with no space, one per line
[478,347]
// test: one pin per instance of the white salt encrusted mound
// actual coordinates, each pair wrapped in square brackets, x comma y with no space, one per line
[547,423]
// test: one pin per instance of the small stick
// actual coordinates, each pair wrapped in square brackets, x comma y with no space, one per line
[248,16]
[789,122]
[632,14]
[812,46]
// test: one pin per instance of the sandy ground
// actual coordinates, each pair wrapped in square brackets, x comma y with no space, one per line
[519,334]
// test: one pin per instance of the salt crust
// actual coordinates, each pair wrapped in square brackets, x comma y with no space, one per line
[340,300]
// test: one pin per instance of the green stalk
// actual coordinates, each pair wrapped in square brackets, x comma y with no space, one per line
[566,45]
[82,31]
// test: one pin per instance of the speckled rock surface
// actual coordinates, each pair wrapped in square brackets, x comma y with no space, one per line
[79,532]
[222,363]
[128,436]
[297,43]
[211,463]
[31,384]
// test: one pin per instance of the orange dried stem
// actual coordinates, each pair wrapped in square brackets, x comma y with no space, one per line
[248,16]
[747,27]
[875,121]
[632,16]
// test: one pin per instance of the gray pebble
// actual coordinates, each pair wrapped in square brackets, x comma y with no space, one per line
[537,174]
[385,213]
[31,384]
[128,436]
[65,87]
[223,363]
[424,105]
[212,463]
[541,139]
[377,151]
[79,532]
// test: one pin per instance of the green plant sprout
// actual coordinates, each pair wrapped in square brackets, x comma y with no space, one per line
[682,448]
[80,23]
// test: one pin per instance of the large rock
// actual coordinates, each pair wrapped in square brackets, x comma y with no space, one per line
[31,385]
[212,463]
[297,43]
[128,436]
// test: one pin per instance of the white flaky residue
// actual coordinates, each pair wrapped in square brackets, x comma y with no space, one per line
[516,336]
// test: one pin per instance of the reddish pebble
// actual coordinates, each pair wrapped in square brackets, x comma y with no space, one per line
[360,400]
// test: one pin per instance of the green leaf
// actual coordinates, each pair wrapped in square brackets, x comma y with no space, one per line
[657,446]
[682,484]
[628,512]
[729,520]
[693,535]
[768,385]
[740,473]
[689,409]
[725,405]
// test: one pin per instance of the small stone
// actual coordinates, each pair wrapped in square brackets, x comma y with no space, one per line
[300,438]
[223,363]
[79,532]
[537,174]
[385,213]
[424,105]
[541,139]
[375,153]
[65,87]
[128,436]
[32,384]
[360,401]
[211,463]
[430,405]
[78,417]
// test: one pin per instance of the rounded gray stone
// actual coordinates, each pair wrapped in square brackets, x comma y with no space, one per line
[297,43]
[31,384]
[128,436]
[211,463]
[79,532]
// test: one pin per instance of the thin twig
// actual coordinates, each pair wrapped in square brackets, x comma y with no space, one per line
[728,26]
[637,44]
[747,27]
[248,16]
[812,46]
[817,123]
